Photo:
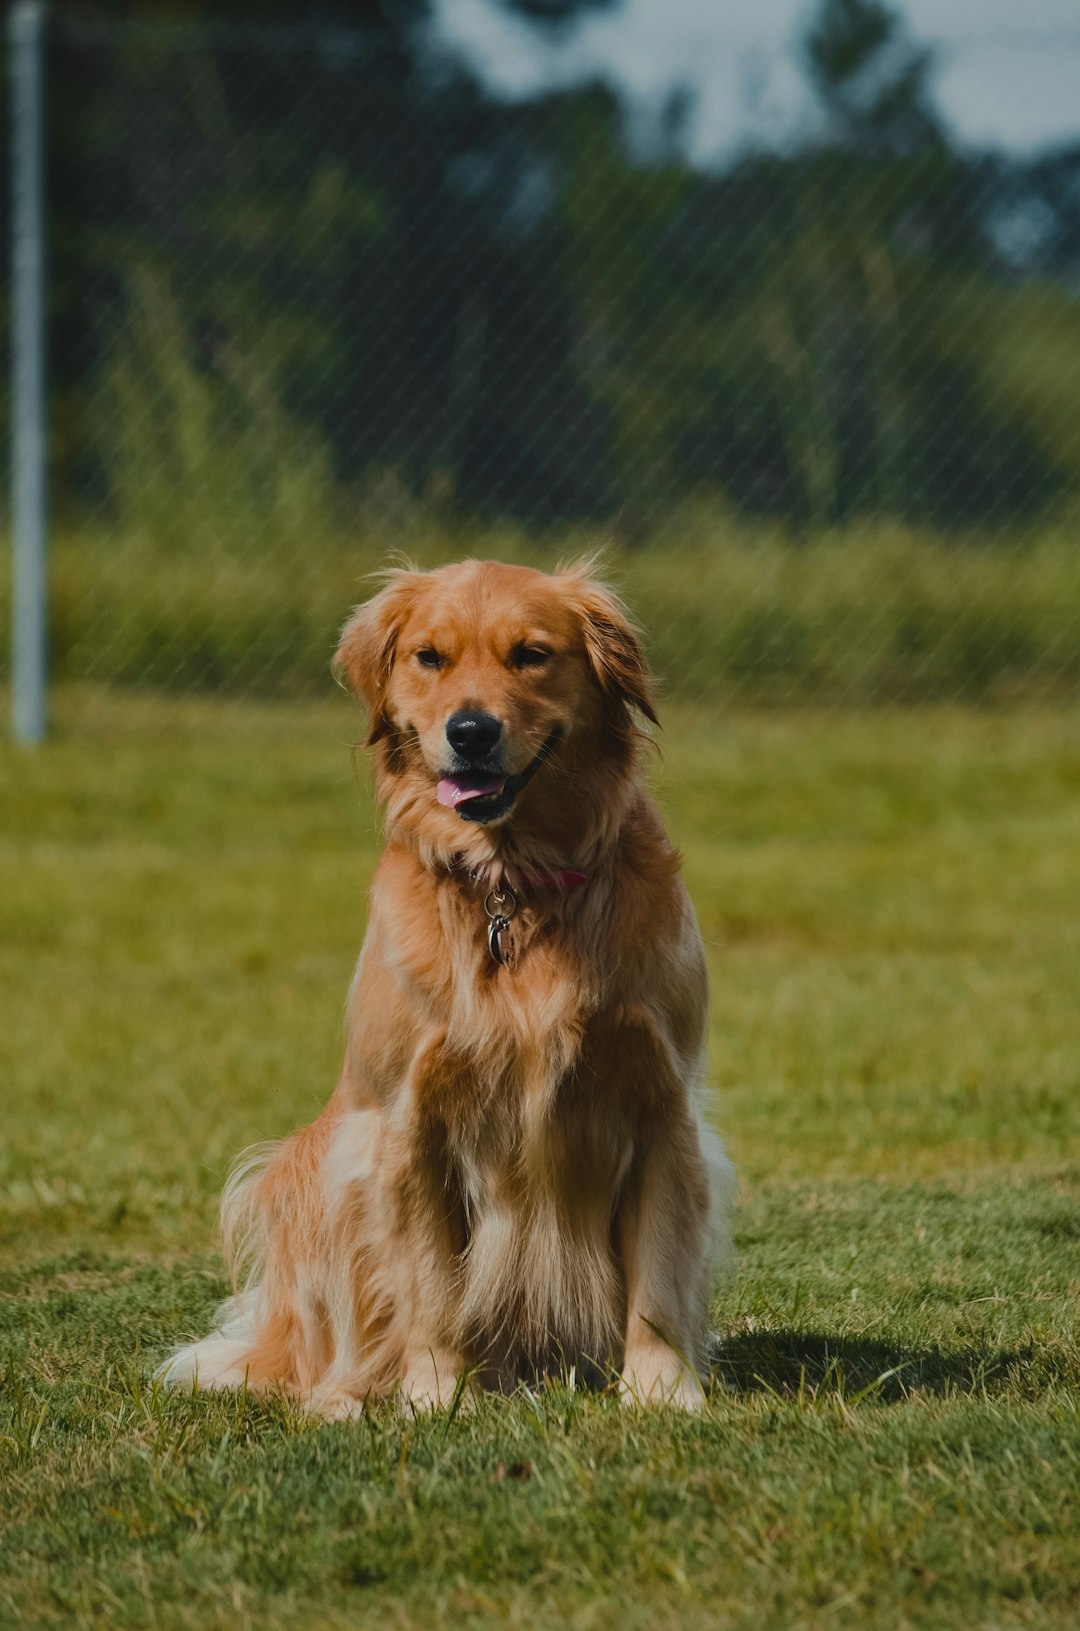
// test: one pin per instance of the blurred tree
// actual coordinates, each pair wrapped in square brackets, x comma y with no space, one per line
[872,82]
[844,383]
[513,306]
[348,220]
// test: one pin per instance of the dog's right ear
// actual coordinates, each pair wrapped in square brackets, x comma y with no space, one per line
[364,659]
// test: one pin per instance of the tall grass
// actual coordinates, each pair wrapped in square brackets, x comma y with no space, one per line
[865,616]
[201,455]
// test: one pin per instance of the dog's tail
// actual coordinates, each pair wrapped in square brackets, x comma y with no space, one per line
[221,1360]
[274,1329]
[243,1215]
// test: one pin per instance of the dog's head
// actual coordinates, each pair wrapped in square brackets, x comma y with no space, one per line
[502,703]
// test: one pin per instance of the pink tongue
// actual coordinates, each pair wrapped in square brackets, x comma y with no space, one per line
[455,790]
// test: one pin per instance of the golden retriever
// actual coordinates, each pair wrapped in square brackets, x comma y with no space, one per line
[513,1175]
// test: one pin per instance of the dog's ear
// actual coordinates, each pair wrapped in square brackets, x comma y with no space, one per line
[612,643]
[364,658]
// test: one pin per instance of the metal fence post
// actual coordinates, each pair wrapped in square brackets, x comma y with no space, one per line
[28,436]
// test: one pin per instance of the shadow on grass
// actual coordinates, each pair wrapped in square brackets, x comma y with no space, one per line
[813,1364]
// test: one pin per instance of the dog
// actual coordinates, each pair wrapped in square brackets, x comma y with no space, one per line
[513,1176]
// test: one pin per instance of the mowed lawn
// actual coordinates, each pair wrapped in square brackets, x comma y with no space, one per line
[892,908]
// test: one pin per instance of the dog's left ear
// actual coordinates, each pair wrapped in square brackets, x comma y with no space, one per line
[612,644]
[364,659]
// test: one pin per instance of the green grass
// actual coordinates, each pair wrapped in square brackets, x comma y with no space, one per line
[893,1438]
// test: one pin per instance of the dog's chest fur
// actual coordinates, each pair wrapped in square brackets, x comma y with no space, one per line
[506,1094]
[505,1075]
[540,1168]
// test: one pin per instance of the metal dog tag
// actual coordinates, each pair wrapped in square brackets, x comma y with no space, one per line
[501,942]
[500,906]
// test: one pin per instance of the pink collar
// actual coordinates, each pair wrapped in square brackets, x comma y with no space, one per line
[566,879]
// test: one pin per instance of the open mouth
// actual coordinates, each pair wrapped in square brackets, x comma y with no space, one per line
[485,795]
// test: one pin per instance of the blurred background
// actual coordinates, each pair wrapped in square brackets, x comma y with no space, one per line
[779,302]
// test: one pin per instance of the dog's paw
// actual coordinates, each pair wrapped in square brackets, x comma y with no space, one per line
[430,1381]
[659,1376]
[336,1404]
[683,1392]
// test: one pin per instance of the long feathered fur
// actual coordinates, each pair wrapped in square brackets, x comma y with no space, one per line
[513,1172]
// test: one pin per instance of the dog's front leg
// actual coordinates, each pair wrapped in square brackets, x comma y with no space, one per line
[430,1240]
[663,1236]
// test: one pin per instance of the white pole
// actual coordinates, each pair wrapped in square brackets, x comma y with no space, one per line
[26,26]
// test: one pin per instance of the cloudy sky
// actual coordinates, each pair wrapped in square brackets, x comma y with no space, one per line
[1009,74]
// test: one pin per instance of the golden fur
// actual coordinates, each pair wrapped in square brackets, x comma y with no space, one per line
[512,1174]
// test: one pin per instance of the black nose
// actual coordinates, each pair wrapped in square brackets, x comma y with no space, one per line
[472,735]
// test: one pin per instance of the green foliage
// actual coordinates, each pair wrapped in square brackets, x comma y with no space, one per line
[335,259]
[893,1437]
[857,616]
[871,81]
[196,462]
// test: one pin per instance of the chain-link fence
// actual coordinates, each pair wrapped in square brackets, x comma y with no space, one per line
[317,296]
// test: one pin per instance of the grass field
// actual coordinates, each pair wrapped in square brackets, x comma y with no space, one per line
[890,903]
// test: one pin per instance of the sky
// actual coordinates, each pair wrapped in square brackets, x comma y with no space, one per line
[1008,75]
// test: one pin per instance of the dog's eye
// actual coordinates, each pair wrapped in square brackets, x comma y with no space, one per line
[428,657]
[524,656]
